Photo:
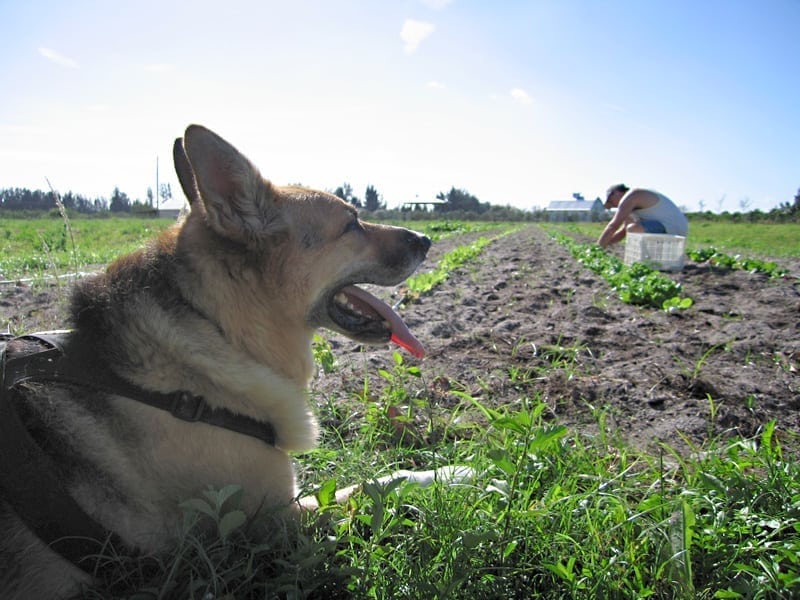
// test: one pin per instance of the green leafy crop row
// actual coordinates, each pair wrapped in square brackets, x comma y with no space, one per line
[638,284]
[422,283]
[715,257]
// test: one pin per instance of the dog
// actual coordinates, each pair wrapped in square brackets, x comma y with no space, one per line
[215,316]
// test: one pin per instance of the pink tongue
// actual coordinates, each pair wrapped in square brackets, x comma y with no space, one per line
[400,332]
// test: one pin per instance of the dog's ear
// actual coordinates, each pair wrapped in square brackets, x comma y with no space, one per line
[238,201]
[185,173]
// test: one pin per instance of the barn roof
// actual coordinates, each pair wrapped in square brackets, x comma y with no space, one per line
[575,205]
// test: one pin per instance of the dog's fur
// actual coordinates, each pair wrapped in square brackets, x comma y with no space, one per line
[223,305]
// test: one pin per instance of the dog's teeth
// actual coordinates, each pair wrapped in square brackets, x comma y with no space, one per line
[343,301]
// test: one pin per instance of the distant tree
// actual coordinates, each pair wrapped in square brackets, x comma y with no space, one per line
[119,201]
[744,204]
[460,200]
[142,208]
[345,192]
[372,201]
[24,199]
[165,192]
[791,208]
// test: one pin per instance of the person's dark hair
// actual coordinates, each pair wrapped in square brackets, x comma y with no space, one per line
[620,187]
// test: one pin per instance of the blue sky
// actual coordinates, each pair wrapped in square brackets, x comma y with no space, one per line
[517,102]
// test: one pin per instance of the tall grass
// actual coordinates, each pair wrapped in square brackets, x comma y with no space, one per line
[550,513]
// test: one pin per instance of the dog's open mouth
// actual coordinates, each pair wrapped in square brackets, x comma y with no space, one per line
[364,317]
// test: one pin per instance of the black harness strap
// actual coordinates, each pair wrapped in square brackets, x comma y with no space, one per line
[69,360]
[28,476]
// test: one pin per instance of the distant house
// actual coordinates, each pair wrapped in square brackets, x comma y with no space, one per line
[578,209]
[421,205]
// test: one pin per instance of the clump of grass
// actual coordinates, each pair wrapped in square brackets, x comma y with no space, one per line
[67,228]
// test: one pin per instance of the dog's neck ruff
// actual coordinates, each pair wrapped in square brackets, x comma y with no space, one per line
[65,358]
[30,480]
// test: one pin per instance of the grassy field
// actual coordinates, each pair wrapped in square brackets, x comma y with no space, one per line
[549,509]
[51,246]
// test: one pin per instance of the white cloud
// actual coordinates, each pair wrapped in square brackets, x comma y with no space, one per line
[414,32]
[57,58]
[436,85]
[521,96]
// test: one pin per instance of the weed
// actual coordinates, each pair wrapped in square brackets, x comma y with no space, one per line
[323,353]
[67,232]
[701,361]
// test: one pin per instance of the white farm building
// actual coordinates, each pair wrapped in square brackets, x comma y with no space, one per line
[578,209]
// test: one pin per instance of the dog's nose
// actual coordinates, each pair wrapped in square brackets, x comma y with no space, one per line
[421,240]
[426,242]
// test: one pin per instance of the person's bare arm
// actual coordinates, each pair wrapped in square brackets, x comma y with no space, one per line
[615,231]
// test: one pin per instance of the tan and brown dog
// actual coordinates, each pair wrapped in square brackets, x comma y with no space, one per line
[220,308]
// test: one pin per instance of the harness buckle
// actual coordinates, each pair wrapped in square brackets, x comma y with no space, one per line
[188,407]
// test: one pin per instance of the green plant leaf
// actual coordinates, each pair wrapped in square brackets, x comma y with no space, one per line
[502,460]
[228,492]
[326,494]
[198,505]
[230,522]
[546,438]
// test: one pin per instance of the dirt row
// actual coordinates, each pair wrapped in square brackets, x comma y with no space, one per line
[526,320]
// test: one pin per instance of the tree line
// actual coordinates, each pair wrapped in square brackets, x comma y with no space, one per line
[451,202]
[119,202]
[456,203]
[454,200]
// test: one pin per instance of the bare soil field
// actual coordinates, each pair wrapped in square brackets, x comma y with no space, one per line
[525,320]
